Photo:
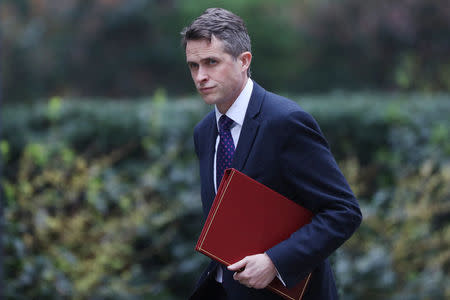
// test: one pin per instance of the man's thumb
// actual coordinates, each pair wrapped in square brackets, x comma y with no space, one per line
[238,266]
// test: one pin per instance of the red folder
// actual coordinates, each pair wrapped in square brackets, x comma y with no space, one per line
[248,218]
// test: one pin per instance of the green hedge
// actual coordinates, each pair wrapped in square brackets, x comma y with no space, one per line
[102,197]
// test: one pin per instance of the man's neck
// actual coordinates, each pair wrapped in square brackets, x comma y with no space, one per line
[224,107]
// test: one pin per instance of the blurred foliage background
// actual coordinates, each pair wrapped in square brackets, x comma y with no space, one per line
[100,187]
[129,48]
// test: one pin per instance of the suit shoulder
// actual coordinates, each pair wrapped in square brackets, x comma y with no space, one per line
[282,107]
[289,119]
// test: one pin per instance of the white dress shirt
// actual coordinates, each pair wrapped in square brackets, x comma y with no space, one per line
[236,112]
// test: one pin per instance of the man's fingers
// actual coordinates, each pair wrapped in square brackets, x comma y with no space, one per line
[254,271]
[238,265]
[236,276]
[242,277]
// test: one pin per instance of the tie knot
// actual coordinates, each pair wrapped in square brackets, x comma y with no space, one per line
[225,123]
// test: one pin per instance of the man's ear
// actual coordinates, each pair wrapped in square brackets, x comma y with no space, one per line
[245,58]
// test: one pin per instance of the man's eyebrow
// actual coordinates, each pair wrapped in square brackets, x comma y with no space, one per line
[209,57]
[190,62]
[203,60]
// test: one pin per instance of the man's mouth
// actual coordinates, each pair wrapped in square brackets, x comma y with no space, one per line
[205,89]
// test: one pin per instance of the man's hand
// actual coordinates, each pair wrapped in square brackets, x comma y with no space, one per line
[258,272]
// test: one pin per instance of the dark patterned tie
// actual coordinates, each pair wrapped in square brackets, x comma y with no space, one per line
[225,150]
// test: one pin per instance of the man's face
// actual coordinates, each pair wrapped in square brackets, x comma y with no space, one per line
[218,76]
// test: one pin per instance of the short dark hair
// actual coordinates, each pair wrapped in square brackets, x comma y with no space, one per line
[225,26]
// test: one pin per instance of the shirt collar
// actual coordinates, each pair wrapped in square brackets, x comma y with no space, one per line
[237,110]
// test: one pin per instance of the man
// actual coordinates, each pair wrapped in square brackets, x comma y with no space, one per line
[272,140]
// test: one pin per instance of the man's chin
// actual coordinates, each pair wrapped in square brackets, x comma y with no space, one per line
[209,100]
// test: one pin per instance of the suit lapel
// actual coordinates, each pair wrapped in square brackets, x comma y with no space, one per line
[249,128]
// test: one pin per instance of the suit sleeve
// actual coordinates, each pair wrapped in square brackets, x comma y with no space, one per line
[314,180]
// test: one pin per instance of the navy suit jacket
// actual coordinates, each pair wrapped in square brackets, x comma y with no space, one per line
[281,146]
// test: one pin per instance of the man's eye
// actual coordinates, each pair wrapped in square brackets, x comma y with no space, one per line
[192,66]
[212,61]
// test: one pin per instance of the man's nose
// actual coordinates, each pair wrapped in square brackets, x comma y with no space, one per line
[201,76]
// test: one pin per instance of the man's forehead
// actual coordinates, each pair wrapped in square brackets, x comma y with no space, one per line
[204,48]
[198,44]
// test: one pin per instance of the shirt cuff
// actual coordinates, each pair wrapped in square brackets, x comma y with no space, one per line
[219,274]
[279,277]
